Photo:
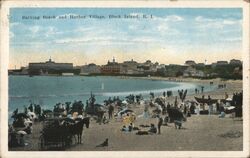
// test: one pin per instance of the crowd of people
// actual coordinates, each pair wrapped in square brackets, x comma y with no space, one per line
[156,107]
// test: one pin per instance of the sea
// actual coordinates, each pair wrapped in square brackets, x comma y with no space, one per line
[49,90]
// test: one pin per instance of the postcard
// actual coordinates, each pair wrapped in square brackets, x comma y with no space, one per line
[118,79]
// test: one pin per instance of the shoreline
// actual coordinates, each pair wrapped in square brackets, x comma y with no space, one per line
[175,79]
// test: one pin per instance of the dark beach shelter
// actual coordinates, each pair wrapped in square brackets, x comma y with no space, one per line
[205,100]
[175,114]
[20,115]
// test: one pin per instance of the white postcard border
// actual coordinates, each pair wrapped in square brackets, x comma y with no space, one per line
[123,4]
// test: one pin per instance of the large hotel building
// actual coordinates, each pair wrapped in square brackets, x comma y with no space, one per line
[49,67]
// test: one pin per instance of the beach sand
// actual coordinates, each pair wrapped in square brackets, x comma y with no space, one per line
[199,133]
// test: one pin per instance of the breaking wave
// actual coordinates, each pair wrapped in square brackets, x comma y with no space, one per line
[103,93]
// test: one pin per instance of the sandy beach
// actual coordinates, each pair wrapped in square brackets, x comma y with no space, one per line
[199,133]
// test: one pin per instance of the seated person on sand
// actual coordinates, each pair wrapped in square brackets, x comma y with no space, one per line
[165,121]
[105,120]
[130,127]
[178,123]
[152,129]
[127,129]
[221,110]
[124,128]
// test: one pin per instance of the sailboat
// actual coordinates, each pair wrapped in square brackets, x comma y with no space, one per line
[102,86]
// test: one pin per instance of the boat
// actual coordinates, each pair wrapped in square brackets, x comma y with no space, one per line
[102,86]
[205,100]
[67,74]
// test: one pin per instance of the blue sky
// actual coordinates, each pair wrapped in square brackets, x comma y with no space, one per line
[172,35]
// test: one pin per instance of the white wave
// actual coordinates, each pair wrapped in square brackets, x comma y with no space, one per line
[179,86]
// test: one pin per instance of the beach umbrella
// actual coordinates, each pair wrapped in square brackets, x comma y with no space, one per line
[31,114]
[21,132]
[70,120]
[230,108]
[124,102]
[125,111]
[80,116]
[229,99]
[28,121]
[128,110]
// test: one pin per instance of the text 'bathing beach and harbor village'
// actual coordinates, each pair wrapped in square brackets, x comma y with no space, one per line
[126,106]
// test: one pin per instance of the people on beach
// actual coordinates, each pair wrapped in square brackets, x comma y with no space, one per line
[221,110]
[164,94]
[226,95]
[166,119]
[202,89]
[152,129]
[210,105]
[160,122]
[31,108]
[169,93]
[187,108]
[146,111]
[130,127]
[111,111]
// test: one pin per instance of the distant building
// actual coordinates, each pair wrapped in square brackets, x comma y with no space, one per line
[190,63]
[237,71]
[192,72]
[200,64]
[213,65]
[173,70]
[148,67]
[111,68]
[130,68]
[221,63]
[24,70]
[49,67]
[235,62]
[160,66]
[90,69]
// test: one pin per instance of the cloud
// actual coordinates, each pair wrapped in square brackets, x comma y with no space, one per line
[11,34]
[216,23]
[169,18]
[50,31]
[14,24]
[35,29]
[132,27]
[162,27]
[174,18]
[202,19]
[233,39]
[229,22]
[106,40]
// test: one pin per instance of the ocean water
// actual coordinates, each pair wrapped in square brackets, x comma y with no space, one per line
[49,90]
